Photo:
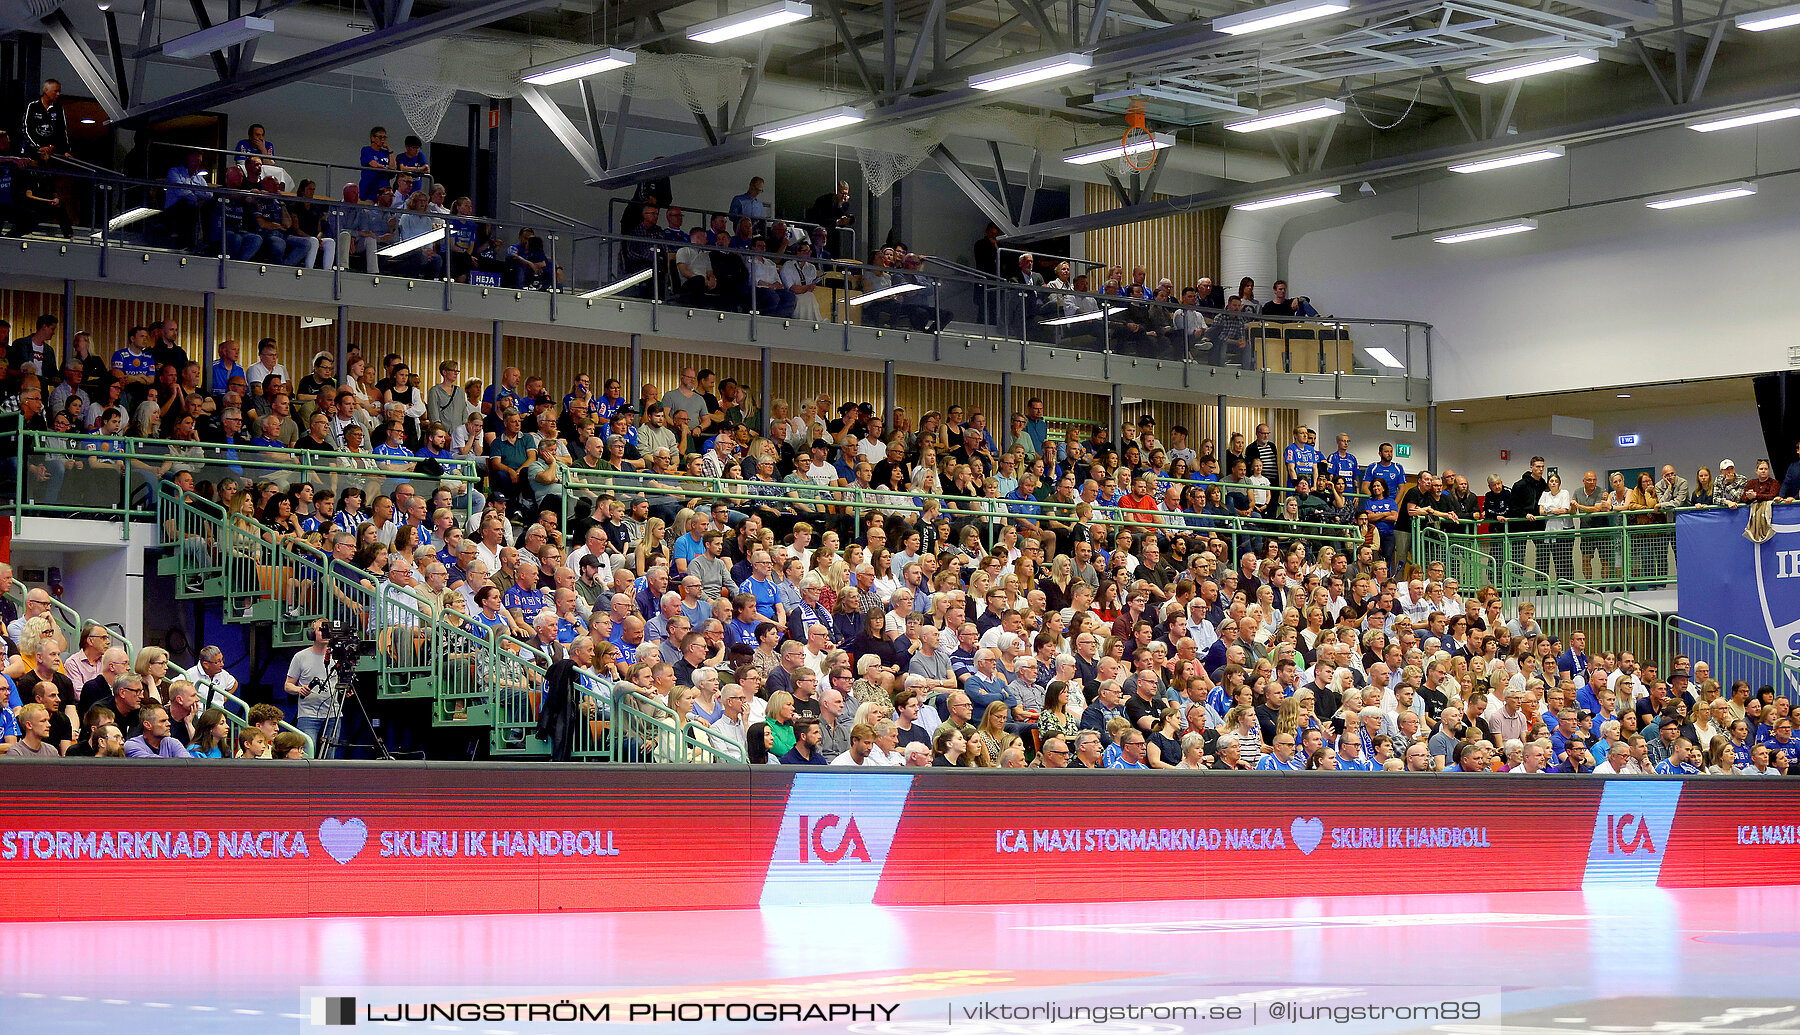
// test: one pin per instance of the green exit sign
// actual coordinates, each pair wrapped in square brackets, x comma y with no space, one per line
[1403,449]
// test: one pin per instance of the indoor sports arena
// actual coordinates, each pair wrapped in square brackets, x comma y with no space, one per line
[507,505]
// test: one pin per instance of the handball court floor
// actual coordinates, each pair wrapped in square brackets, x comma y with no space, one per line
[1652,961]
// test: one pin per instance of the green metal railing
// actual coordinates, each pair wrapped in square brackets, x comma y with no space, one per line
[112,477]
[1622,555]
[1611,620]
[237,713]
[991,515]
[644,729]
[472,679]
[69,622]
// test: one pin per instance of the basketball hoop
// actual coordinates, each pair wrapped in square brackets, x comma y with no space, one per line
[1137,148]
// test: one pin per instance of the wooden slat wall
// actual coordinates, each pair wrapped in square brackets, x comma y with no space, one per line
[1183,247]
[558,362]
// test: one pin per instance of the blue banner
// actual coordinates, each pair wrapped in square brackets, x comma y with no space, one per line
[1743,589]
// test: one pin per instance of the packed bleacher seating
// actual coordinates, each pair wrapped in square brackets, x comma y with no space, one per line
[830,589]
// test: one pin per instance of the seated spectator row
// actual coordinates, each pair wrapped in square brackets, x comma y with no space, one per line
[1013,599]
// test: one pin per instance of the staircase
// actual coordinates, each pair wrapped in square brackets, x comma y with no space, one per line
[1611,620]
[474,681]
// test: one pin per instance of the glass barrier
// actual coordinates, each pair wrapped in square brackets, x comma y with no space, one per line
[740,275]
[112,477]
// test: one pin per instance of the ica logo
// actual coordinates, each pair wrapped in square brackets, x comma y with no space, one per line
[819,840]
[1628,834]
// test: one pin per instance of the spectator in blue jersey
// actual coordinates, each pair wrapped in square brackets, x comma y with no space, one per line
[1282,758]
[224,368]
[1385,470]
[1301,458]
[1342,464]
[377,163]
[1384,511]
[1131,751]
[1681,760]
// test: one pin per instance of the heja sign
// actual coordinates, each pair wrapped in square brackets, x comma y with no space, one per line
[407,840]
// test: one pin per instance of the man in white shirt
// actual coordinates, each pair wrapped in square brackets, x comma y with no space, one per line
[1618,760]
[862,743]
[267,363]
[734,725]
[211,675]
[887,745]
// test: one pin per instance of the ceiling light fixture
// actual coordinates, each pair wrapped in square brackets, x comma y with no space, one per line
[1275,16]
[578,67]
[815,122]
[1542,154]
[1104,150]
[412,244]
[744,23]
[218,37]
[1288,199]
[1454,410]
[629,280]
[886,292]
[1624,395]
[1293,114]
[1037,71]
[1753,119]
[1703,195]
[1774,18]
[1098,314]
[1482,233]
[124,219]
[1506,72]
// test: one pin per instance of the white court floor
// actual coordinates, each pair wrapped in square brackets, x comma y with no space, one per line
[1652,961]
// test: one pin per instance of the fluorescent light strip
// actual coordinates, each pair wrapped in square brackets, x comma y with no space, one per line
[746,22]
[1385,358]
[886,292]
[218,37]
[1752,119]
[1089,154]
[412,244]
[1098,314]
[1703,195]
[1542,154]
[1032,72]
[816,122]
[1482,233]
[629,280]
[1774,18]
[1291,115]
[1509,71]
[1275,16]
[578,67]
[125,219]
[1288,199]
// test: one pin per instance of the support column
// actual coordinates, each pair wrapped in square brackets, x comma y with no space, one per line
[474,173]
[1003,419]
[890,394]
[1117,416]
[768,384]
[500,154]
[495,359]
[343,343]
[1431,436]
[209,335]
[637,369]
[50,377]
[1221,438]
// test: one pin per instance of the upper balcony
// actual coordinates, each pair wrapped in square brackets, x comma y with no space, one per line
[147,238]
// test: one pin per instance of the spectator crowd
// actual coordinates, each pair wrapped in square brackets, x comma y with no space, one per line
[827,584]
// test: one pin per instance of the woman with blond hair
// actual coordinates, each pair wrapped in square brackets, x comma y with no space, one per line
[992,733]
[152,665]
[38,635]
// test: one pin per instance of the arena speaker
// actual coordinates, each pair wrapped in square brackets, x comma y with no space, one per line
[1778,408]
